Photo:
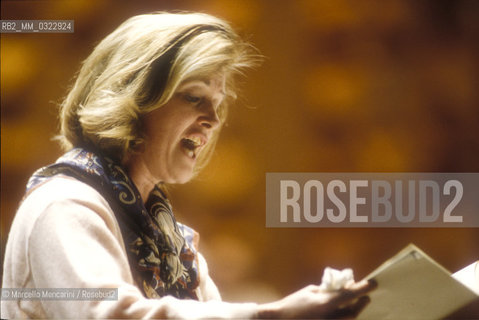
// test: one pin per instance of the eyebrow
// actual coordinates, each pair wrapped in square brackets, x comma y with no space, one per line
[206,81]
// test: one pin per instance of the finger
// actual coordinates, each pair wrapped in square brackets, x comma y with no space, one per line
[353,310]
[354,291]
[313,288]
[362,287]
[360,305]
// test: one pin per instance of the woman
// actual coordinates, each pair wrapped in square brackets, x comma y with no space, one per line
[145,110]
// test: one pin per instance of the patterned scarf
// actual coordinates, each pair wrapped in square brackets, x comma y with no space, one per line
[162,257]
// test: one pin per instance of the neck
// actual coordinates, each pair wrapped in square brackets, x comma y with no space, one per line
[139,173]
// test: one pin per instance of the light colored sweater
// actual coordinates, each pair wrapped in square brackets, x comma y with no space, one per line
[65,235]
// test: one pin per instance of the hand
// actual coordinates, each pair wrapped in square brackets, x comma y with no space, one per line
[313,302]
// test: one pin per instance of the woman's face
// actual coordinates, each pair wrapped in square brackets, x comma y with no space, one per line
[177,132]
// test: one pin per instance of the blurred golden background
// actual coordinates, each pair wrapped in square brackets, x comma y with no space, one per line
[346,86]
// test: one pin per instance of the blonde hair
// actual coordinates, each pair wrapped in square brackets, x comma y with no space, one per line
[137,68]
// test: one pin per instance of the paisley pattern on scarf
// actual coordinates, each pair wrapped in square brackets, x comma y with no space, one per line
[161,251]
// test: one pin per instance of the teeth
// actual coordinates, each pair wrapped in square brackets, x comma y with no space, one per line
[196,141]
[192,145]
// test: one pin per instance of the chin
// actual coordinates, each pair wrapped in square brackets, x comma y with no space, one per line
[181,178]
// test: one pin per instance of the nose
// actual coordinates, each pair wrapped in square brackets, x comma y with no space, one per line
[209,119]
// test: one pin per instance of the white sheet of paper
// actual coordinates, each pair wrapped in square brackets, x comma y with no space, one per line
[469,276]
[411,285]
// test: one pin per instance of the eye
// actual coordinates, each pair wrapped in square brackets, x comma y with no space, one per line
[191,98]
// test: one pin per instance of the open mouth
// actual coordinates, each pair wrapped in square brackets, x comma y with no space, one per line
[192,146]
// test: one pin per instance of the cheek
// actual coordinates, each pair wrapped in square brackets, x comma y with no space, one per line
[164,139]
[164,130]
